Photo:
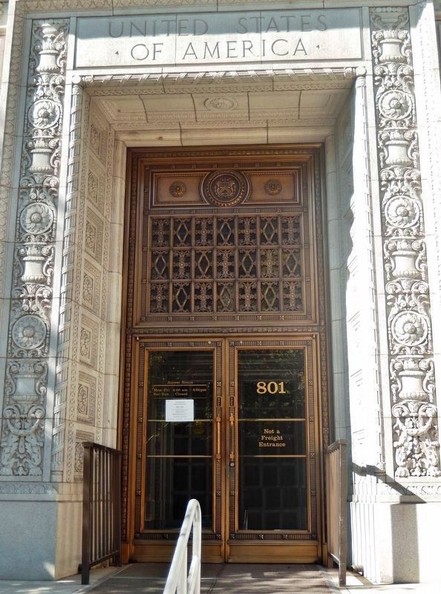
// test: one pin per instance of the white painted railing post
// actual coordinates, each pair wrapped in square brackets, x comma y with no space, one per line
[178,582]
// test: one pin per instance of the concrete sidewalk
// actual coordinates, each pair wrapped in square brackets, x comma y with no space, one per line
[143,578]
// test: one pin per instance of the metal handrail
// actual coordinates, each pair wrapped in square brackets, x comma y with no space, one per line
[101,507]
[337,493]
[178,580]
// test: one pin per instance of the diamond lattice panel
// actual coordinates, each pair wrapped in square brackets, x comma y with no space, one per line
[253,265]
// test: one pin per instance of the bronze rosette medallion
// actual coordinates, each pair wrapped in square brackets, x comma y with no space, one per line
[225,188]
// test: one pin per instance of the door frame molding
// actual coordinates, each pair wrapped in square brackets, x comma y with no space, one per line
[133,334]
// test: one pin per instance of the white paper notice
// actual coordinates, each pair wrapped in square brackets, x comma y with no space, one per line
[179,411]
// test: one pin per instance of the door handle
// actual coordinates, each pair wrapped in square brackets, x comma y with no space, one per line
[232,439]
[218,436]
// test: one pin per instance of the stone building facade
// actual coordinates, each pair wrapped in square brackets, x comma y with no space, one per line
[347,94]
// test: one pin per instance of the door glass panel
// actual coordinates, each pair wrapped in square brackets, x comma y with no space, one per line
[178,452]
[272,440]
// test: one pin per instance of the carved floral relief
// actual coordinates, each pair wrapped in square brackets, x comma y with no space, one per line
[22,431]
[411,367]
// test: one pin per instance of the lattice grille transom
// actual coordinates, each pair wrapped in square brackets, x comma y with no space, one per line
[235,264]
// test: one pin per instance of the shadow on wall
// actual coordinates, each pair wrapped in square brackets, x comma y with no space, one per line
[397,543]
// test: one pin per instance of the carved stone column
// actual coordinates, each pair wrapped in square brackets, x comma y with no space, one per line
[410,351]
[29,355]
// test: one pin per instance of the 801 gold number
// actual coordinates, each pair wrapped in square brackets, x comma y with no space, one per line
[270,387]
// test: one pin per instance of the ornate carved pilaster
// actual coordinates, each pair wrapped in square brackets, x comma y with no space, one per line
[411,367]
[23,432]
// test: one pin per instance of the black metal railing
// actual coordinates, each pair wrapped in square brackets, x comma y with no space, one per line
[101,507]
[337,496]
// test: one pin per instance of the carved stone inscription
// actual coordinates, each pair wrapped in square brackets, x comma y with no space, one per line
[415,426]
[181,39]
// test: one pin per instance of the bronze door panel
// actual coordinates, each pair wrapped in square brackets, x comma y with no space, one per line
[224,393]
[233,426]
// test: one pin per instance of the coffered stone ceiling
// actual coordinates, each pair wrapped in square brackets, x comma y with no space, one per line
[264,108]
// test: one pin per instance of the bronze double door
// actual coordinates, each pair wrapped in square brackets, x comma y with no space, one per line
[225,355]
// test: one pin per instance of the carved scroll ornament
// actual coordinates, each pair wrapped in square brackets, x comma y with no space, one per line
[22,437]
[414,411]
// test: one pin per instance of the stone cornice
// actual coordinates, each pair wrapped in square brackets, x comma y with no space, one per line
[145,6]
[295,78]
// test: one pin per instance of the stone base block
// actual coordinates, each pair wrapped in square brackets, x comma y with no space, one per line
[396,542]
[40,540]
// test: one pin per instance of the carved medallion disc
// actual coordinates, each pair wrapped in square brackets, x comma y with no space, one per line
[225,188]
